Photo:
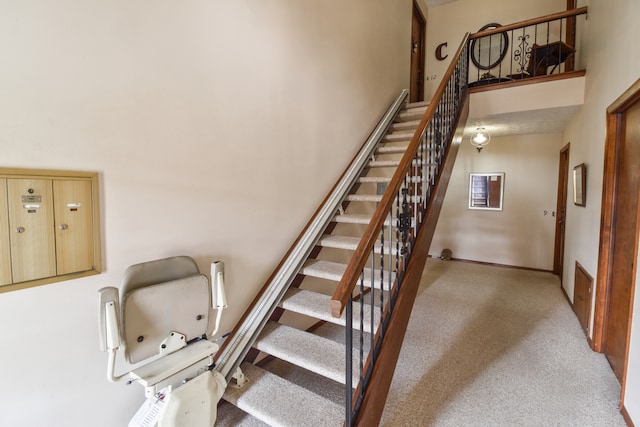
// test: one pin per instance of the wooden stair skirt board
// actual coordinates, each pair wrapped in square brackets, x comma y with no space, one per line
[277,401]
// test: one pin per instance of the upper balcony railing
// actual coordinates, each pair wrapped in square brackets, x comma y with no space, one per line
[526,51]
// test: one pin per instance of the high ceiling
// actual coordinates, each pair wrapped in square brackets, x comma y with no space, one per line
[548,120]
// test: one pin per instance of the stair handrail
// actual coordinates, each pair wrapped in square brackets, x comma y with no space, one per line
[355,267]
[396,244]
[528,22]
[239,342]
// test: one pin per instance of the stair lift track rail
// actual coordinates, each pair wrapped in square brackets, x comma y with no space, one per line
[241,340]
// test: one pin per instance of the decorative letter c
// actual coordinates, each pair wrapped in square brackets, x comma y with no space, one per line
[439,56]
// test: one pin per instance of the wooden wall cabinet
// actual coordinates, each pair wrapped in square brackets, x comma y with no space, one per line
[49,227]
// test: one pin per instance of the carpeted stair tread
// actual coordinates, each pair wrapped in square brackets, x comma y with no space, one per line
[374,179]
[392,163]
[364,198]
[423,104]
[412,124]
[352,219]
[350,243]
[412,114]
[384,163]
[394,149]
[339,242]
[334,271]
[270,398]
[316,305]
[311,352]
[358,219]
[398,136]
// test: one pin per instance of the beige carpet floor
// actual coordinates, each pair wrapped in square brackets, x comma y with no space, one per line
[486,346]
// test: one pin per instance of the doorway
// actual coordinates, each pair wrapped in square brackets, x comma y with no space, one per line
[418,32]
[619,231]
[561,212]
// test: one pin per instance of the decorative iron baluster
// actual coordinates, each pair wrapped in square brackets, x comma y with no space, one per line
[382,330]
[404,223]
[349,412]
[361,300]
[381,286]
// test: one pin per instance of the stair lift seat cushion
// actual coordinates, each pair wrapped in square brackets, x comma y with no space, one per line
[150,313]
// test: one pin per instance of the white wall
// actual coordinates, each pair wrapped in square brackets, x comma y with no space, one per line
[612,67]
[216,127]
[519,235]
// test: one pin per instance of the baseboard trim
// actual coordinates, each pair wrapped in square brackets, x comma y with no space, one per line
[493,264]
[626,416]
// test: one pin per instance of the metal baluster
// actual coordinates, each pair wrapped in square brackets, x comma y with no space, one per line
[560,49]
[349,363]
[414,192]
[372,349]
[511,57]
[382,329]
[361,328]
[423,147]
[548,31]
[393,296]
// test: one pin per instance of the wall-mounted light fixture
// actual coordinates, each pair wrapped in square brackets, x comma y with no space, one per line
[480,138]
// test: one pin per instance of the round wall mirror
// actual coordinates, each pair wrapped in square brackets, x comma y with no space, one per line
[489,51]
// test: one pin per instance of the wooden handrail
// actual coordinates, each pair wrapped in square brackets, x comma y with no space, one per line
[356,265]
[529,22]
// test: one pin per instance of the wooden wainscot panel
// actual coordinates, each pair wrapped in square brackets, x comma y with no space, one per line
[582,291]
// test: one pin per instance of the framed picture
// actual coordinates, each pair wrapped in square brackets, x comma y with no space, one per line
[580,185]
[486,191]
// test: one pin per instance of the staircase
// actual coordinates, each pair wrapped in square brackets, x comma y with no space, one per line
[320,341]
[292,333]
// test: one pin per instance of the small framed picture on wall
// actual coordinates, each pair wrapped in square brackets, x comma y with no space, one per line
[580,185]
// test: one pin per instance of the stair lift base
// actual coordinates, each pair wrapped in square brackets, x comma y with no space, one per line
[193,404]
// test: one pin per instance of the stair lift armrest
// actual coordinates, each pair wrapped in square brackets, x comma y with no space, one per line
[109,319]
[109,327]
[218,296]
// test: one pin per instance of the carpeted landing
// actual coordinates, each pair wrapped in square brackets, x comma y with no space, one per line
[485,346]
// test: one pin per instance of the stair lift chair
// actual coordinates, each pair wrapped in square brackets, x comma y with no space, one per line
[163,319]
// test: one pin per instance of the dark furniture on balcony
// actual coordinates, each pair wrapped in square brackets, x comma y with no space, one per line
[544,56]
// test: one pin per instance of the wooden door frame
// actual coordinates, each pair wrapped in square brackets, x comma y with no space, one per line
[563,176]
[416,11]
[616,118]
[615,123]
